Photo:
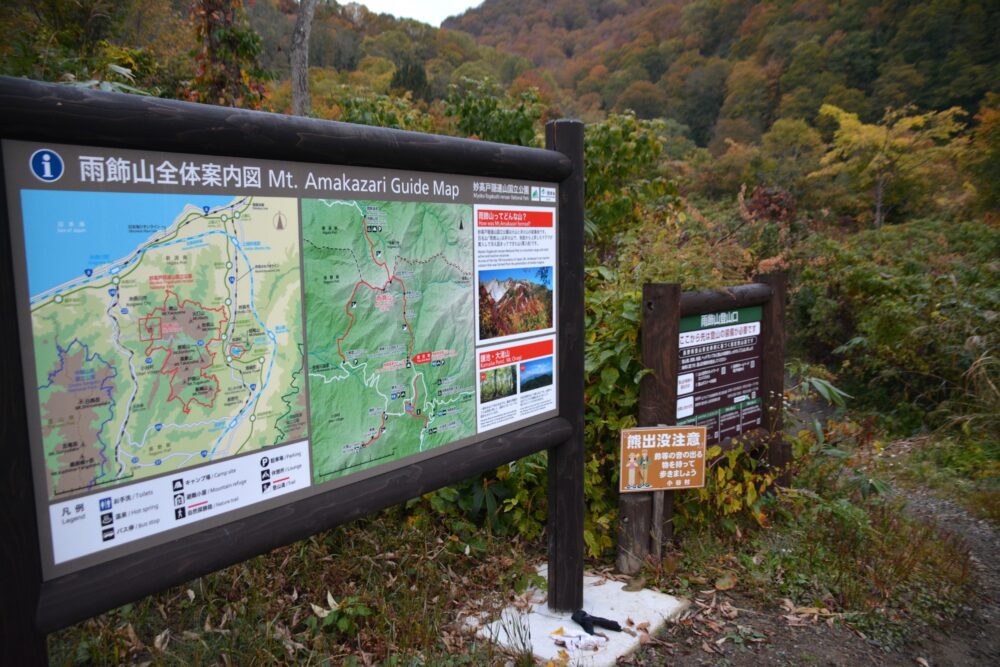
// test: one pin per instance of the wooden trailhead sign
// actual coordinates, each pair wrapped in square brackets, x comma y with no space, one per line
[717,362]
[662,458]
[229,330]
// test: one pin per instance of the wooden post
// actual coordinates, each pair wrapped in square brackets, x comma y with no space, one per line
[635,516]
[647,525]
[772,381]
[565,492]
[658,391]
[23,643]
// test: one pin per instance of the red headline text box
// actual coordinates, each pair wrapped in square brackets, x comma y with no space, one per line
[515,354]
[490,217]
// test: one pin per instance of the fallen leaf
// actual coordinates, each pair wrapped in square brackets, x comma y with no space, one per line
[707,648]
[629,621]
[190,594]
[629,631]
[161,640]
[643,627]
[922,662]
[725,582]
[636,584]
[728,610]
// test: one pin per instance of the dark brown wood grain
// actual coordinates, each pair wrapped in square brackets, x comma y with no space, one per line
[565,491]
[711,301]
[31,110]
[772,381]
[634,520]
[20,564]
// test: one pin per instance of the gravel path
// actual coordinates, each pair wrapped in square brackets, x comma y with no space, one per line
[973,639]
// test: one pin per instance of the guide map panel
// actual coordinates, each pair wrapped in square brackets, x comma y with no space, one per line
[389,288]
[205,338]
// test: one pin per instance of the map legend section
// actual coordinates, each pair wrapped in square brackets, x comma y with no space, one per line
[100,521]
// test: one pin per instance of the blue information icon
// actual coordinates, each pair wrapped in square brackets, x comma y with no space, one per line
[46,165]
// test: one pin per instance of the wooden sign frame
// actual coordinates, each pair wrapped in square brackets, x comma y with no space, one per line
[33,111]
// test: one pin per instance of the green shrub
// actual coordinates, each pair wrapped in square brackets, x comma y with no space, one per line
[905,313]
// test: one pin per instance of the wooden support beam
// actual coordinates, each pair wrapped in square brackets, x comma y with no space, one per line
[565,492]
[657,405]
[772,381]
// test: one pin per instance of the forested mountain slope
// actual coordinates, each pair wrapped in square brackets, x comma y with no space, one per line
[729,68]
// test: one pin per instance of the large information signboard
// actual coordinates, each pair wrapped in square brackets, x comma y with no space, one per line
[719,378]
[207,337]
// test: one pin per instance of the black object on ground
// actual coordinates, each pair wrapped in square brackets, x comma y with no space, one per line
[587,622]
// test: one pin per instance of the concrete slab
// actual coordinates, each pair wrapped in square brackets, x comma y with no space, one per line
[533,625]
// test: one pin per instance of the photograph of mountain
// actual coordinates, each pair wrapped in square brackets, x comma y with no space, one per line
[513,301]
[497,383]
[536,374]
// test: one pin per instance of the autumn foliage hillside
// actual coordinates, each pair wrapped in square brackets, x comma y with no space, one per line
[727,69]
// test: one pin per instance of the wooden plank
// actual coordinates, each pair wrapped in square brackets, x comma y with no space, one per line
[660,331]
[634,519]
[658,390]
[32,110]
[712,301]
[83,594]
[20,561]
[657,524]
[657,405]
[566,461]
[772,382]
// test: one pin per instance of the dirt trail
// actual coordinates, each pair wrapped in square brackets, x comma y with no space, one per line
[758,636]
[973,639]
[763,636]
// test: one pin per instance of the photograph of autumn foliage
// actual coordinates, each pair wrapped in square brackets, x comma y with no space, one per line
[513,301]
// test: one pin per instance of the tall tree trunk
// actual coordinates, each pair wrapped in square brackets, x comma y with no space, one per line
[300,58]
[879,197]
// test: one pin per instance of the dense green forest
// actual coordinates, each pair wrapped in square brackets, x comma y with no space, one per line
[853,144]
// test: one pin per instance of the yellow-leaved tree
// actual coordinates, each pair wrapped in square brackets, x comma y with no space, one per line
[906,163]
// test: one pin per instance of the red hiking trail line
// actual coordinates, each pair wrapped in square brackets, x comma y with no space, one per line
[172,374]
[390,278]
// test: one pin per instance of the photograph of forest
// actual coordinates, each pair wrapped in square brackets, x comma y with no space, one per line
[497,383]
